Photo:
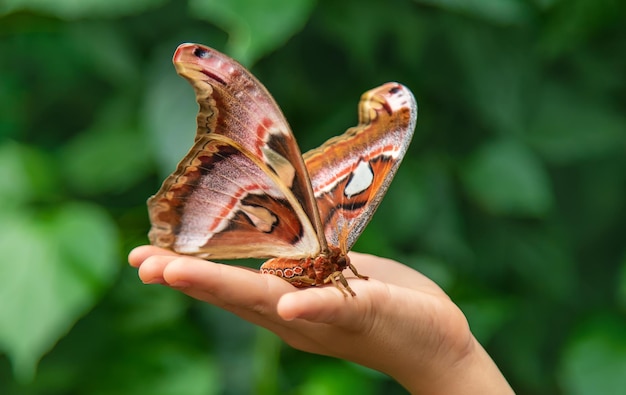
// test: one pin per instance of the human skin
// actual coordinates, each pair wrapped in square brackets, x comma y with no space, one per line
[400,322]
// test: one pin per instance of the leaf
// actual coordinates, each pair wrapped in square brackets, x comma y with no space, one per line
[498,81]
[14,184]
[621,285]
[13,99]
[55,265]
[506,178]
[363,33]
[594,362]
[111,155]
[538,257]
[575,22]
[255,27]
[266,359]
[114,58]
[505,12]
[25,174]
[168,113]
[160,367]
[441,233]
[570,127]
[432,267]
[72,9]
[488,315]
[321,379]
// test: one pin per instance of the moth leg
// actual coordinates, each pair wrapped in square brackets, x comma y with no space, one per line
[340,282]
[356,273]
[300,280]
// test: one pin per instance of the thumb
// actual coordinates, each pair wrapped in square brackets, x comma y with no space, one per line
[325,305]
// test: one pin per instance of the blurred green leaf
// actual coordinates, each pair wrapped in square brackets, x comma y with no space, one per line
[594,362]
[110,156]
[334,378]
[14,184]
[435,269]
[163,368]
[506,178]
[168,113]
[55,265]
[26,174]
[495,11]
[437,226]
[545,4]
[363,31]
[621,285]
[255,27]
[266,358]
[148,308]
[13,99]
[113,58]
[569,127]
[501,80]
[540,259]
[487,315]
[574,22]
[72,9]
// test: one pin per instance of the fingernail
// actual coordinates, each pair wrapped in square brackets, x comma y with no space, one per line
[180,284]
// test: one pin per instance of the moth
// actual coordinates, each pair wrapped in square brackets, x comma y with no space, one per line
[244,190]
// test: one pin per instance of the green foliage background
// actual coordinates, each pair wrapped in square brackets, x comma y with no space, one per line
[512,196]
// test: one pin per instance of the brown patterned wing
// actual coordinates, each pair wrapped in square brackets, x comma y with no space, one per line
[234,104]
[222,202]
[351,173]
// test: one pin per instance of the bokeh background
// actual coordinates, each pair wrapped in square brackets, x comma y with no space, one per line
[512,196]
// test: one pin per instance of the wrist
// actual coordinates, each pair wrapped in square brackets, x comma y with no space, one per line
[474,372]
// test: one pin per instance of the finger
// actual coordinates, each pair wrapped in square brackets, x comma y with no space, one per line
[151,269]
[227,286]
[392,272]
[141,253]
[327,305]
[248,294]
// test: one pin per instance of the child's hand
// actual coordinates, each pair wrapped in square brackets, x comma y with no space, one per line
[399,322]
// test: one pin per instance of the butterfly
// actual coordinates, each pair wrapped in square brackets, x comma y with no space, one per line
[244,190]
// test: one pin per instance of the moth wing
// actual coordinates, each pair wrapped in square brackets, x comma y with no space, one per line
[233,103]
[350,173]
[222,202]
